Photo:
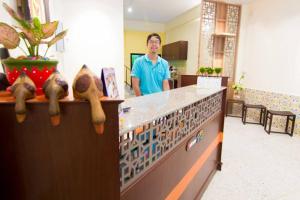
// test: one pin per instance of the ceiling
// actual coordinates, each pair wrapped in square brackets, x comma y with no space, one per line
[162,11]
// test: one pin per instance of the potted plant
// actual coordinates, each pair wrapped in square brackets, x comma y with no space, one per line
[33,34]
[238,88]
[210,71]
[218,70]
[202,71]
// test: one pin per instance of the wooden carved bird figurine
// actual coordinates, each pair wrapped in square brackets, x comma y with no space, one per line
[22,89]
[89,87]
[55,88]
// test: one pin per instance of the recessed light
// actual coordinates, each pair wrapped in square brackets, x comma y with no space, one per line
[129,9]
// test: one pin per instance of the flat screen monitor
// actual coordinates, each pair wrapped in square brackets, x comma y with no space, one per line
[133,57]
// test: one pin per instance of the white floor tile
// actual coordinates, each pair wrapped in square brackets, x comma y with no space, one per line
[256,165]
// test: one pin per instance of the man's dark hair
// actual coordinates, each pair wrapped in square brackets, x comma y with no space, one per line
[153,35]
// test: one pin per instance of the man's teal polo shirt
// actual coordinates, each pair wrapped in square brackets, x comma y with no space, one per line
[151,76]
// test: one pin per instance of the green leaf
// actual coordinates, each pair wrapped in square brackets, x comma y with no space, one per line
[37,30]
[37,24]
[30,36]
[58,37]
[9,37]
[49,29]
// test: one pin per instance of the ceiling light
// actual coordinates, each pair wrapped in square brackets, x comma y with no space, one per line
[129,9]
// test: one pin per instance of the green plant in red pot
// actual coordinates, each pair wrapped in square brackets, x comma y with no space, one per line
[33,34]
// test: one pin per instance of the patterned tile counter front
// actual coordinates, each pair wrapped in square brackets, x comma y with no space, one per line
[157,123]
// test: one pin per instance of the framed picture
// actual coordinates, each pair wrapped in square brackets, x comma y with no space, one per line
[110,87]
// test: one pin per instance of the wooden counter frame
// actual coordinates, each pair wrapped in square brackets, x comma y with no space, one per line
[39,161]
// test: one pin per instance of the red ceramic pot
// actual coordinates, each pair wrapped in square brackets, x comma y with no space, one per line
[37,70]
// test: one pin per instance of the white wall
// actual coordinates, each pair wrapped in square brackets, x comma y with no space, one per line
[269,48]
[186,27]
[95,36]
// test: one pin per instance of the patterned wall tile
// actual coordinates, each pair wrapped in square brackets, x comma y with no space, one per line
[274,101]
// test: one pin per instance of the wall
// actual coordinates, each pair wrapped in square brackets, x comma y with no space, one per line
[186,27]
[269,50]
[95,36]
[135,42]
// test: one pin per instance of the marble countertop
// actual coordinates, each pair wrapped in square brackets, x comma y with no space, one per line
[145,109]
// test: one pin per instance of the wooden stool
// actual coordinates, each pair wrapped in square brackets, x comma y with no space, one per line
[233,101]
[289,117]
[262,114]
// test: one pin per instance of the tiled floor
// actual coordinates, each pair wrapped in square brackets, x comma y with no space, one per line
[256,165]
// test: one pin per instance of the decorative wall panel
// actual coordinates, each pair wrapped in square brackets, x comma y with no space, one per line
[232,25]
[232,19]
[207,30]
[229,57]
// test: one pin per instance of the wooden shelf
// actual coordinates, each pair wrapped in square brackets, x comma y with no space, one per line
[219,52]
[221,20]
[175,51]
[224,34]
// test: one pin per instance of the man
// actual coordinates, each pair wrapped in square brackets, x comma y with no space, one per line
[150,73]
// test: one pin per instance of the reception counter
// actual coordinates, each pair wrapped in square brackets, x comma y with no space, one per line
[168,146]
[170,143]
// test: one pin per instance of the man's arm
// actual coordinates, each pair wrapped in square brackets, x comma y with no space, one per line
[136,86]
[166,85]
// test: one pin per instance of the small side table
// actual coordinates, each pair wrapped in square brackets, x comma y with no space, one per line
[234,101]
[289,117]
[262,114]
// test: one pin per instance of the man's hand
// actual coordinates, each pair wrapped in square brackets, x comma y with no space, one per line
[136,86]
[166,85]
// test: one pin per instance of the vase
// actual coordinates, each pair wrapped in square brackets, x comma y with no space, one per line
[37,70]
[236,95]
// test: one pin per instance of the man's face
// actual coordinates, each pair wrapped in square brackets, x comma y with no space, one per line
[153,44]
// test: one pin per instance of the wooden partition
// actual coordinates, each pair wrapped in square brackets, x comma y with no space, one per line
[68,162]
